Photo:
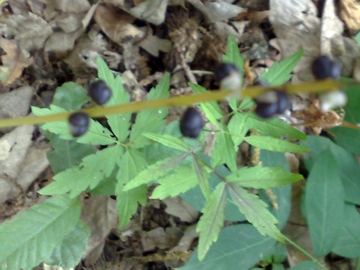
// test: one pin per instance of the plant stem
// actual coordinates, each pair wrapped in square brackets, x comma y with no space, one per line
[358,264]
[318,86]
[305,252]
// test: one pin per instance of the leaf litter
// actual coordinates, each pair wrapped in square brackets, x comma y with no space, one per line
[47,43]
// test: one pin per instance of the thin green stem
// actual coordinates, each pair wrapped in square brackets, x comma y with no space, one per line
[319,86]
[311,257]
[358,264]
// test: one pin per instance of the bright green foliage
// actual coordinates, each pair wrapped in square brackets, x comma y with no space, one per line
[224,150]
[119,123]
[238,247]
[274,127]
[280,72]
[131,164]
[238,128]
[66,153]
[88,174]
[150,120]
[168,140]
[348,242]
[274,144]
[73,246]
[180,181]
[255,211]
[212,220]
[232,55]
[70,96]
[211,109]
[32,236]
[324,202]
[155,171]
[259,177]
[202,174]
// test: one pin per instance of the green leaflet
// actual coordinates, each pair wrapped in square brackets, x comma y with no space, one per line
[66,153]
[151,120]
[92,170]
[232,55]
[273,144]
[168,140]
[280,72]
[70,96]
[73,246]
[274,127]
[263,177]
[324,202]
[119,123]
[211,109]
[155,171]
[180,181]
[238,128]
[212,220]
[224,150]
[131,164]
[202,174]
[255,211]
[31,236]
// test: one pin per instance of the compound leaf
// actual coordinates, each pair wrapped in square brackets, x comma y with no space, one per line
[238,128]
[31,237]
[280,72]
[263,177]
[212,220]
[324,202]
[274,144]
[255,211]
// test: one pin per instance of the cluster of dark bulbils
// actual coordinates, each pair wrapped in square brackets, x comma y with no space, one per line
[268,104]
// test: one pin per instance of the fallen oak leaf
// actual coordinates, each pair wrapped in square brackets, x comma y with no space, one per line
[15,60]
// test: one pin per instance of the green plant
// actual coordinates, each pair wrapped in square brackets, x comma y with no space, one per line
[137,154]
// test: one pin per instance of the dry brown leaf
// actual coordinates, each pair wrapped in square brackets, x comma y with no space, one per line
[77,6]
[15,60]
[178,208]
[100,215]
[31,31]
[19,140]
[69,22]
[116,24]
[221,10]
[62,42]
[16,103]
[349,12]
[154,44]
[152,11]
